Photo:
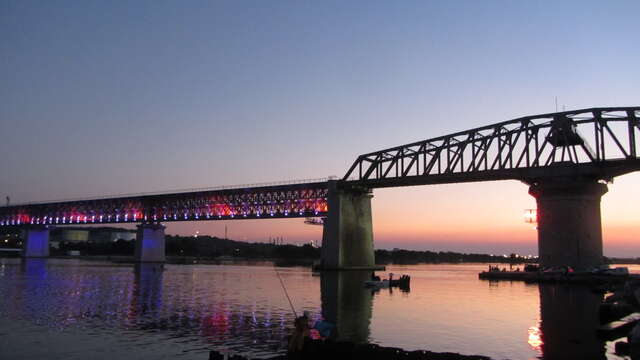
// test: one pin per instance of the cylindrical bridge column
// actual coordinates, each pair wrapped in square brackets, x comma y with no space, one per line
[569,226]
[150,243]
[347,239]
[36,242]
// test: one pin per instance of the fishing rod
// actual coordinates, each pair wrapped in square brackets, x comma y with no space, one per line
[286,293]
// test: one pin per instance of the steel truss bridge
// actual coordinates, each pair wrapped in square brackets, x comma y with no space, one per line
[282,201]
[594,144]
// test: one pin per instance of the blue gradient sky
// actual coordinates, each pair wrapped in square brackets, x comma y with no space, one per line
[104,98]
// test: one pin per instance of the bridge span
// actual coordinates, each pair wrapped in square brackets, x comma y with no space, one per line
[566,158]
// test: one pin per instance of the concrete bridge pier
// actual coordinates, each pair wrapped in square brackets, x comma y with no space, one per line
[569,226]
[150,243]
[36,243]
[347,239]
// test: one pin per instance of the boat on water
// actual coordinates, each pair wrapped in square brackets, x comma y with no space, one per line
[375,282]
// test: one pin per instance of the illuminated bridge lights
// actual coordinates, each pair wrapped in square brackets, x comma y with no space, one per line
[253,203]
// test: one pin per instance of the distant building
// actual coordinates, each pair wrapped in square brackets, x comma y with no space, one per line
[11,238]
[74,235]
[112,234]
[93,234]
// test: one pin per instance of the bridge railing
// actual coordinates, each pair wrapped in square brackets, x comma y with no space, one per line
[183,191]
[588,136]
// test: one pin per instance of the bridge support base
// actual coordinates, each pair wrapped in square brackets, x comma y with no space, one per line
[150,243]
[36,242]
[347,239]
[569,226]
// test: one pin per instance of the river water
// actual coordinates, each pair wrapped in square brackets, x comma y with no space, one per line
[74,309]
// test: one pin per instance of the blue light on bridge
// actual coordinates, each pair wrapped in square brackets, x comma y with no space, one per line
[254,205]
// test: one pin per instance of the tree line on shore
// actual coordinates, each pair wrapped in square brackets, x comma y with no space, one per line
[214,247]
[208,247]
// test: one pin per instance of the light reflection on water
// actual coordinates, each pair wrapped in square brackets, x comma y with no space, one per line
[70,309]
[535,338]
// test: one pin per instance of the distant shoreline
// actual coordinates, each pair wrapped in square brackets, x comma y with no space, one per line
[194,260]
[214,250]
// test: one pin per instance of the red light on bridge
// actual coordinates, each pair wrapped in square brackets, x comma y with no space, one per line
[531,216]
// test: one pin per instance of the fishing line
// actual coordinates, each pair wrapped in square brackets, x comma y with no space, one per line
[285,292]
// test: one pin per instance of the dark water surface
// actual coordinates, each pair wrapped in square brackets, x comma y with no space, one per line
[73,309]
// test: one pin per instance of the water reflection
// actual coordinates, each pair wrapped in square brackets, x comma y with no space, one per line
[36,273]
[569,317]
[222,306]
[189,309]
[346,303]
[34,268]
[535,338]
[147,290]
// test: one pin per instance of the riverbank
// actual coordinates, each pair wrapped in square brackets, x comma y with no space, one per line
[322,350]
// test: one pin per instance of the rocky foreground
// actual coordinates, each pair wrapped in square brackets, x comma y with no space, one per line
[317,349]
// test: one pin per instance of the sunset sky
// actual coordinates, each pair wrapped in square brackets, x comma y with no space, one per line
[106,98]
